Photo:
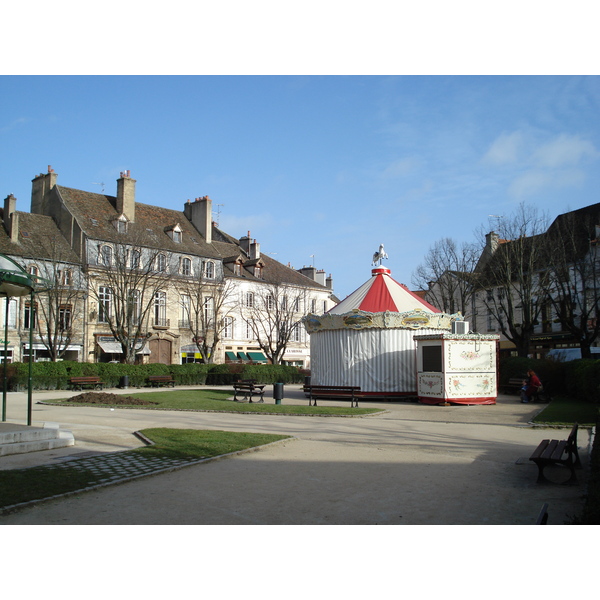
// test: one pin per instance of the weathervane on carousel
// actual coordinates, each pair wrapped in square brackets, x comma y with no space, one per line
[379,256]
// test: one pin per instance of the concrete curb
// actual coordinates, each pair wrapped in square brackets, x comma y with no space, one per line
[14,507]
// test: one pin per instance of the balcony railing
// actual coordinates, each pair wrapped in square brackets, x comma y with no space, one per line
[160,322]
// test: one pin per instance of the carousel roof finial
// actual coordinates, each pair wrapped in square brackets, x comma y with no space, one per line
[379,256]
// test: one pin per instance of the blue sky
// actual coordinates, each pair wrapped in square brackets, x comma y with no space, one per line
[329,166]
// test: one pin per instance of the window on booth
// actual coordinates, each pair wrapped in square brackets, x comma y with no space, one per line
[432,358]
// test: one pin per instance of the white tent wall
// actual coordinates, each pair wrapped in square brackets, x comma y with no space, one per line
[377,360]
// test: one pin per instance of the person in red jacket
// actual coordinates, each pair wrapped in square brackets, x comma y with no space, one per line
[531,386]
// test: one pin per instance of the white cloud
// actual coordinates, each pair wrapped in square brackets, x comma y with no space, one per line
[14,124]
[534,181]
[565,150]
[399,168]
[556,162]
[505,149]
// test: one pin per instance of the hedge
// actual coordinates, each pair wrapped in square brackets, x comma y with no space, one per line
[55,375]
[578,378]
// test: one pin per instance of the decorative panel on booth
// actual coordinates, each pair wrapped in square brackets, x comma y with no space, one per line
[455,368]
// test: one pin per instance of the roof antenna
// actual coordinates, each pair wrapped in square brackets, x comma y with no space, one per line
[102,184]
[218,213]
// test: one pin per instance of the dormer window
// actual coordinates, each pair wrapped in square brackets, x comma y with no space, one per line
[121,223]
[175,234]
[258,271]
[237,269]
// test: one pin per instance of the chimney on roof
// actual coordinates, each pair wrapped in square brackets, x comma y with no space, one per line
[40,189]
[11,218]
[254,250]
[199,213]
[125,203]
[329,282]
[245,244]
[309,272]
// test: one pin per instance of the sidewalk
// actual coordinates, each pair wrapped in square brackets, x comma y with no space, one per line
[413,464]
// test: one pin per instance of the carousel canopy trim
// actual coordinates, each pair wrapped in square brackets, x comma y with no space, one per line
[458,336]
[358,319]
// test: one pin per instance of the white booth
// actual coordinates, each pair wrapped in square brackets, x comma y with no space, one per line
[457,368]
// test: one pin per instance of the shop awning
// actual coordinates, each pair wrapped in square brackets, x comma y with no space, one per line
[242,356]
[75,347]
[110,347]
[189,348]
[231,355]
[114,347]
[257,357]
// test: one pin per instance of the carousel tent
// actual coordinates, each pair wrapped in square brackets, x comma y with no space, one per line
[367,339]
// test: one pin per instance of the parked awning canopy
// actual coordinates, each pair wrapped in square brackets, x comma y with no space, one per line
[75,347]
[243,356]
[114,347]
[190,348]
[257,357]
[231,355]
[110,347]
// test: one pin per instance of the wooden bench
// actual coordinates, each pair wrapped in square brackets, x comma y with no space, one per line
[515,384]
[557,452]
[158,380]
[249,388]
[81,382]
[332,392]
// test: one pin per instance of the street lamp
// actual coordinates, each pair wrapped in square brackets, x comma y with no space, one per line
[15,281]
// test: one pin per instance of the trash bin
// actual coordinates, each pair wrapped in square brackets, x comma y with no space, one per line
[125,382]
[278,392]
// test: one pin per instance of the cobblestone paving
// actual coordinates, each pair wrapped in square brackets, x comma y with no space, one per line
[113,467]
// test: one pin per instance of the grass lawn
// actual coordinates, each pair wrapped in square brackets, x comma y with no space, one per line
[36,483]
[217,400]
[566,411]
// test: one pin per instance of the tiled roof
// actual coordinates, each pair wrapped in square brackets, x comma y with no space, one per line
[39,238]
[95,214]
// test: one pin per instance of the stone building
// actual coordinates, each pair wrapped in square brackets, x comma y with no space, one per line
[147,262]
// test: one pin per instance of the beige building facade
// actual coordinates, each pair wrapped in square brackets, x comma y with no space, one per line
[168,281]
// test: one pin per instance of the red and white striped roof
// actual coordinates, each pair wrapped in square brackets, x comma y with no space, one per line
[382,293]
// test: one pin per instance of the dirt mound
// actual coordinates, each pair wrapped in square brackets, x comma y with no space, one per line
[106,398]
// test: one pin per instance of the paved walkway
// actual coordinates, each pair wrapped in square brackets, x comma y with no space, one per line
[413,464]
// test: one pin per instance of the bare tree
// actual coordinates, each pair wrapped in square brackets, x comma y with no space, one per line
[447,275]
[60,299]
[573,276]
[206,305]
[509,278]
[273,315]
[130,291]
